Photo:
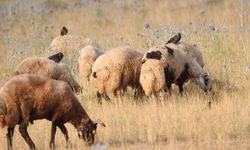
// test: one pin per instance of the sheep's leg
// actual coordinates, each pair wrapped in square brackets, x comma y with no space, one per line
[9,135]
[53,133]
[25,135]
[169,88]
[106,97]
[118,95]
[138,93]
[99,97]
[26,109]
[64,131]
[180,85]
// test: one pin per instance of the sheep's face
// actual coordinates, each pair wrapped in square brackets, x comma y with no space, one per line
[88,133]
[205,82]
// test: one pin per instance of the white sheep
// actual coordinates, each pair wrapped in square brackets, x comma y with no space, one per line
[88,55]
[178,68]
[116,69]
[47,67]
[152,77]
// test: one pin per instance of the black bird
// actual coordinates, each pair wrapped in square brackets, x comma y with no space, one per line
[64,31]
[56,57]
[175,39]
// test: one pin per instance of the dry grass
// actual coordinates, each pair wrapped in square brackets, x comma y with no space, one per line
[180,122]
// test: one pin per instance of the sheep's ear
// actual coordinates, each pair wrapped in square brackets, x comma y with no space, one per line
[170,51]
[175,39]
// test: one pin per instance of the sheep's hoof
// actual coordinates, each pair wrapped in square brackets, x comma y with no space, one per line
[52,145]
[69,145]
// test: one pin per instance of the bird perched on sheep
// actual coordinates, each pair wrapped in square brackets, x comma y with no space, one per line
[64,31]
[56,57]
[28,97]
[88,55]
[175,39]
[116,69]
[47,67]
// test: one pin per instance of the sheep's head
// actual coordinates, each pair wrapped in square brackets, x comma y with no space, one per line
[88,132]
[205,82]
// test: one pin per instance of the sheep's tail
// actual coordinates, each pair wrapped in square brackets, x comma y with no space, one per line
[147,80]
[3,111]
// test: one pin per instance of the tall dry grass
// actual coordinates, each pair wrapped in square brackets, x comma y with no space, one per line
[221,28]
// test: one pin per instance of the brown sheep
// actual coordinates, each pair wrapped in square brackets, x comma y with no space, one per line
[29,97]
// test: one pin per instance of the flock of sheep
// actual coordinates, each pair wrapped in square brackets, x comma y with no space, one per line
[44,87]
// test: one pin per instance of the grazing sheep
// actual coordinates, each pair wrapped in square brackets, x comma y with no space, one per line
[184,67]
[44,66]
[115,70]
[88,55]
[178,68]
[28,97]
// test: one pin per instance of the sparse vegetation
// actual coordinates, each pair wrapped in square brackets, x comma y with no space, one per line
[221,28]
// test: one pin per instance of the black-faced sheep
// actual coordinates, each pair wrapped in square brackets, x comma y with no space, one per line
[116,69]
[88,55]
[28,97]
[44,66]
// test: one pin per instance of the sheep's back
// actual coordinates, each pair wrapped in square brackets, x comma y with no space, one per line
[192,51]
[37,65]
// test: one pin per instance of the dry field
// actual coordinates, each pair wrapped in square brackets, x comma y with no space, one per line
[221,28]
